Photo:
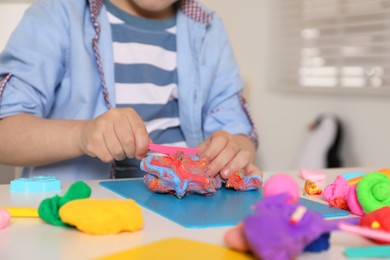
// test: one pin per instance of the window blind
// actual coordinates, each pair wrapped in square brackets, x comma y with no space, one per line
[331,45]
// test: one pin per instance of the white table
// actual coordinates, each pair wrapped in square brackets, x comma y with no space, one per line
[31,238]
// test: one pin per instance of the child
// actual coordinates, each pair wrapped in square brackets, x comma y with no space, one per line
[87,83]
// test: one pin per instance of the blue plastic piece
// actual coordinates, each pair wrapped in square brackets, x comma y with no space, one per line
[382,251]
[351,175]
[226,207]
[36,184]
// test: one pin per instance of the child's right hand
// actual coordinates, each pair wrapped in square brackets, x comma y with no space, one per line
[115,135]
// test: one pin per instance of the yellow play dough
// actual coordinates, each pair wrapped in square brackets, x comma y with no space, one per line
[102,216]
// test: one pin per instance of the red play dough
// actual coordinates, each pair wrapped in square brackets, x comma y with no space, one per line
[380,216]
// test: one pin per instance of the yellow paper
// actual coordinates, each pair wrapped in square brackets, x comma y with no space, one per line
[178,249]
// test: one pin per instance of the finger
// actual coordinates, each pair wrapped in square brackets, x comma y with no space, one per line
[141,135]
[235,238]
[223,159]
[125,135]
[202,148]
[142,142]
[240,161]
[113,145]
[104,154]
[253,170]
[216,144]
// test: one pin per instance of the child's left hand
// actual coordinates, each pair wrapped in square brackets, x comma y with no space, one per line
[228,153]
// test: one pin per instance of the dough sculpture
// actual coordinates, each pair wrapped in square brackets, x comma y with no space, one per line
[311,188]
[183,174]
[276,231]
[281,228]
[91,216]
[378,220]
[102,216]
[373,191]
[361,193]
[282,183]
[49,208]
[4,218]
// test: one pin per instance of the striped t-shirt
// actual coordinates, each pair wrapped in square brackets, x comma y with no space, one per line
[144,52]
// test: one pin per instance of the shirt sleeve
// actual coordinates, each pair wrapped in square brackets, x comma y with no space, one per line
[225,108]
[34,57]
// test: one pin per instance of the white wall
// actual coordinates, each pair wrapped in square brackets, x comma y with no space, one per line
[10,14]
[282,118]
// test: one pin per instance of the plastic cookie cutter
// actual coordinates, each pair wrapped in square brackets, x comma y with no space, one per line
[165,149]
[36,184]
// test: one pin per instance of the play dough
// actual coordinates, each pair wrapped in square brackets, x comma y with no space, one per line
[48,209]
[102,216]
[353,202]
[4,218]
[311,188]
[182,174]
[338,189]
[373,191]
[378,220]
[271,233]
[282,183]
[312,175]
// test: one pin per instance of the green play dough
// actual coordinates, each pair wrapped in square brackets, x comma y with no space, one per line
[373,191]
[381,191]
[49,208]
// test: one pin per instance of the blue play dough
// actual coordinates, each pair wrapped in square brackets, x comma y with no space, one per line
[226,207]
[320,244]
[36,184]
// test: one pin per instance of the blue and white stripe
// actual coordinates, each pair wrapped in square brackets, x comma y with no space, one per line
[144,53]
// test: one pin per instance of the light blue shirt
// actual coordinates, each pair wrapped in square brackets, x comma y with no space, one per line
[55,75]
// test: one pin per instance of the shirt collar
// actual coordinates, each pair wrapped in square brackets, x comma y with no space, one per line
[195,11]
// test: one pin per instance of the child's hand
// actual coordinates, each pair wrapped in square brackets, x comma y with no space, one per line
[235,238]
[115,135]
[228,153]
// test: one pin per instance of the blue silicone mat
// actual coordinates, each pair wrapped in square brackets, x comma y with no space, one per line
[226,207]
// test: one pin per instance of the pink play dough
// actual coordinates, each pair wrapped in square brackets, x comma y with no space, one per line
[312,175]
[338,189]
[353,202]
[282,183]
[4,218]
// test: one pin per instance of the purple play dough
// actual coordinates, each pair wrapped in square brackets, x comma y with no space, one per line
[271,235]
